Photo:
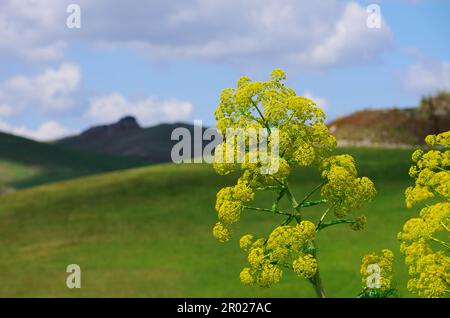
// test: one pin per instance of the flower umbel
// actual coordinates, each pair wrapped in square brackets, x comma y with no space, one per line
[376,272]
[293,128]
[423,238]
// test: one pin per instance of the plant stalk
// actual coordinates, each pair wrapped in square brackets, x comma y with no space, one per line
[317,283]
[316,280]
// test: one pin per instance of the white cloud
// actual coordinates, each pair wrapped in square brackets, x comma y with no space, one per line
[32,29]
[320,101]
[51,91]
[44,53]
[300,33]
[351,41]
[48,131]
[427,76]
[149,111]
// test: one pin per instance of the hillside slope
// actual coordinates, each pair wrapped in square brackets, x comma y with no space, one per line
[25,162]
[388,127]
[146,232]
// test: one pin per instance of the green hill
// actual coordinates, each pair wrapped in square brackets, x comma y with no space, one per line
[24,162]
[146,232]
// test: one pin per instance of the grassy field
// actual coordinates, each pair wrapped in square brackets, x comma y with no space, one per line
[146,232]
[25,163]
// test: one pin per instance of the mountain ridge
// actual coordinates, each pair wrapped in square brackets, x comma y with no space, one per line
[127,138]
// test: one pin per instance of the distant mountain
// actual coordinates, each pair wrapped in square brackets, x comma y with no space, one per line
[25,162]
[128,138]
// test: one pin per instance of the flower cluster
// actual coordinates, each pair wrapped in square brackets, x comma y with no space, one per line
[359,223]
[302,137]
[430,171]
[293,124]
[343,189]
[229,205]
[379,269]
[429,267]
[305,266]
[434,218]
[286,247]
[291,133]
[221,232]
[252,172]
[429,270]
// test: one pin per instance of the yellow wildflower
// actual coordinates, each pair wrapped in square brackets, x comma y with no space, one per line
[221,233]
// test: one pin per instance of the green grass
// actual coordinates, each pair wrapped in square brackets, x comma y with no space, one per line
[25,163]
[146,232]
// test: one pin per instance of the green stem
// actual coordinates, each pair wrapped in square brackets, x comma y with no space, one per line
[277,200]
[316,281]
[312,203]
[444,226]
[333,222]
[446,245]
[277,181]
[323,217]
[291,197]
[268,210]
[293,201]
[261,115]
[311,193]
[269,188]
[287,221]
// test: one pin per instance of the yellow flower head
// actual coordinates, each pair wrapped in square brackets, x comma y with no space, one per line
[256,257]
[305,266]
[359,224]
[376,270]
[247,277]
[221,233]
[246,242]
[306,230]
[343,188]
[270,275]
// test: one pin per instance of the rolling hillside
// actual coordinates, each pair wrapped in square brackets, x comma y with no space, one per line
[24,162]
[394,127]
[146,232]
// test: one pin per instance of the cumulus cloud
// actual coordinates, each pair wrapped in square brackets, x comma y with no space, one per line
[427,76]
[32,29]
[149,111]
[50,91]
[48,131]
[350,41]
[301,33]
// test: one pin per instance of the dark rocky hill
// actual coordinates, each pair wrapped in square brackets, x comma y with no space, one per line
[128,138]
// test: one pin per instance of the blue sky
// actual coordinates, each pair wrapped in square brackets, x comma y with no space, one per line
[168,61]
